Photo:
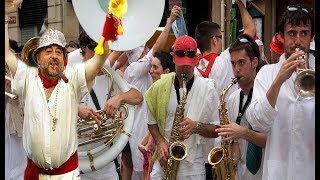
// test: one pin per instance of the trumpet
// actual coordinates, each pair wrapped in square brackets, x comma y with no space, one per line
[305,80]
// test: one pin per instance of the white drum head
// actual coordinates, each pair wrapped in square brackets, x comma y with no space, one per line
[139,23]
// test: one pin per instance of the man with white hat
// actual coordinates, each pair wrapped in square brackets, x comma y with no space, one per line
[51,105]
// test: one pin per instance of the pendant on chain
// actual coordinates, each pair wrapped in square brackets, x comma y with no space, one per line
[54,120]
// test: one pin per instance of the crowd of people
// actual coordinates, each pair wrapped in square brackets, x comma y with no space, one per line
[176,91]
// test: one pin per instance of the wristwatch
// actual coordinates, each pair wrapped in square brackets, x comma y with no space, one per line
[198,128]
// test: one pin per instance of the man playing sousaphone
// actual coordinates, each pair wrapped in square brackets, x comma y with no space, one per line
[51,105]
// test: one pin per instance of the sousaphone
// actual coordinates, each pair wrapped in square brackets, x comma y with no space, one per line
[139,24]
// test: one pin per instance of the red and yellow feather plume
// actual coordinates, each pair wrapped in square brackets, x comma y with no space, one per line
[113,24]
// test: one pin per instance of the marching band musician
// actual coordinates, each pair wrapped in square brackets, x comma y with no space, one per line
[201,114]
[277,109]
[245,62]
[98,97]
[51,105]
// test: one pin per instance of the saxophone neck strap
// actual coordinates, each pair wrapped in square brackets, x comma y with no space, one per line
[243,109]
[177,86]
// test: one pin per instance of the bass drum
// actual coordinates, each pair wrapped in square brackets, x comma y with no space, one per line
[139,23]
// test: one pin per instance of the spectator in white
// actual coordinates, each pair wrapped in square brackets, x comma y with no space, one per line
[222,71]
[15,155]
[277,110]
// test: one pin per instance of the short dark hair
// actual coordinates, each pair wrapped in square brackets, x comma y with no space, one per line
[246,42]
[203,34]
[86,41]
[73,44]
[302,14]
[14,46]
[166,60]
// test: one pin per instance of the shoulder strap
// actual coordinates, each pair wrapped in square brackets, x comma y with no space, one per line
[95,99]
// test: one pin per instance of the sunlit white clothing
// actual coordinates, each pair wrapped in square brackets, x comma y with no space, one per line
[204,110]
[233,109]
[137,74]
[49,149]
[15,155]
[101,86]
[290,126]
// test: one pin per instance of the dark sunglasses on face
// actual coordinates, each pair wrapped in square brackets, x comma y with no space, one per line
[182,53]
[296,8]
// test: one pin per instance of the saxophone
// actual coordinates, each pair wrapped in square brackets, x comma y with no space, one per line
[177,149]
[224,159]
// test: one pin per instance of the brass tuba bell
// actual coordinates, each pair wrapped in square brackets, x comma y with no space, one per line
[305,80]
[27,51]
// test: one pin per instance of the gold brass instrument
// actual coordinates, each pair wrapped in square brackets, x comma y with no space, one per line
[27,51]
[304,83]
[95,139]
[177,149]
[224,159]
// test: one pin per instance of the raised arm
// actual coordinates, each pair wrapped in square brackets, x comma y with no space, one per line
[113,57]
[162,39]
[247,21]
[10,58]
[95,64]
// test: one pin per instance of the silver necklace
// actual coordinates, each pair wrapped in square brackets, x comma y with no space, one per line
[54,118]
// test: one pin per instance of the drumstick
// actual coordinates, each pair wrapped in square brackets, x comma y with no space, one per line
[60,73]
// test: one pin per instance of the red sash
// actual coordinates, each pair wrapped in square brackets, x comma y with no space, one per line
[209,57]
[32,170]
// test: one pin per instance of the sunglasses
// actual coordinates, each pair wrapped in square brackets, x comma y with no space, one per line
[182,53]
[245,40]
[217,36]
[296,8]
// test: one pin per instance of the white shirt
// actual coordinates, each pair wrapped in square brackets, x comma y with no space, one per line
[222,73]
[101,89]
[233,109]
[49,149]
[200,109]
[15,155]
[290,126]
[137,74]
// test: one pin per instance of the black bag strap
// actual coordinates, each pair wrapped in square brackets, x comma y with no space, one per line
[95,99]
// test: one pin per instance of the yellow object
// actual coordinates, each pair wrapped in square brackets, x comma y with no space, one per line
[99,49]
[118,8]
[120,30]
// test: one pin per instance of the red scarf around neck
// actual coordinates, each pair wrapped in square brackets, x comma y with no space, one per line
[47,83]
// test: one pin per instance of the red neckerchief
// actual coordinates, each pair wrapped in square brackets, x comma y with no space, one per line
[47,83]
[209,57]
